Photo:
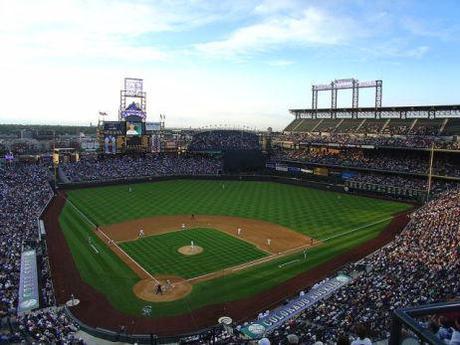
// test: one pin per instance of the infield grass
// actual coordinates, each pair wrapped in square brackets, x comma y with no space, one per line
[159,255]
[316,213]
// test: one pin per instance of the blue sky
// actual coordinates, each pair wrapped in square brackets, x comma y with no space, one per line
[220,62]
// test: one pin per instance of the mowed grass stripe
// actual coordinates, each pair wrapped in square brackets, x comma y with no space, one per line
[159,255]
[316,213]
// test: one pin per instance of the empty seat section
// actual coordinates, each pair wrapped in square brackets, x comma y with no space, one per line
[307,125]
[427,127]
[327,125]
[372,126]
[349,126]
[452,127]
[293,125]
[398,126]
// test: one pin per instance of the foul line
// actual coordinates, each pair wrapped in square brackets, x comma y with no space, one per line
[356,229]
[288,263]
[256,262]
[81,213]
[233,269]
[127,255]
[94,248]
[116,245]
[244,265]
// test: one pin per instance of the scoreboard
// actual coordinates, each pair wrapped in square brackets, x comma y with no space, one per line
[123,136]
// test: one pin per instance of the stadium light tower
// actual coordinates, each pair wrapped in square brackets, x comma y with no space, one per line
[133,92]
[344,84]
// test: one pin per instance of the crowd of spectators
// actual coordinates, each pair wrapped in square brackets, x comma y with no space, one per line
[223,140]
[420,184]
[92,169]
[420,266]
[426,130]
[24,191]
[49,326]
[344,139]
[369,159]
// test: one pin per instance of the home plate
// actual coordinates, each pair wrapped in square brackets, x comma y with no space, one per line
[72,302]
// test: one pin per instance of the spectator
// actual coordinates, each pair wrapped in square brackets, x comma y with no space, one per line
[131,167]
[343,340]
[24,191]
[223,140]
[362,338]
[455,339]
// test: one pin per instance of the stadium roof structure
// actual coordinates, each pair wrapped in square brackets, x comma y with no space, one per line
[403,112]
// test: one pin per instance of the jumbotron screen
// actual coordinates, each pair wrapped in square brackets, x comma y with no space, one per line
[133,128]
[114,128]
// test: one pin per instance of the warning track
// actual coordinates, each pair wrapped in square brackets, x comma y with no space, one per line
[96,310]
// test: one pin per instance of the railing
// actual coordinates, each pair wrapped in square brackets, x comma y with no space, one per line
[403,192]
[207,334]
[405,318]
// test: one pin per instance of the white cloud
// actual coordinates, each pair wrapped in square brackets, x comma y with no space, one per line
[276,6]
[62,95]
[417,52]
[53,55]
[396,48]
[98,28]
[280,63]
[312,27]
[432,29]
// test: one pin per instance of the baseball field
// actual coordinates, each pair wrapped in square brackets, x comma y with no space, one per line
[183,235]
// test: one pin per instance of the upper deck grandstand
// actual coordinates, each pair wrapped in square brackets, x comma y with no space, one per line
[224,140]
[430,120]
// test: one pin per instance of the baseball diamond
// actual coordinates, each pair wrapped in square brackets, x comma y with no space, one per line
[138,230]
[263,185]
[159,254]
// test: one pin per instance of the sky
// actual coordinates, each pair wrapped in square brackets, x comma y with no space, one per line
[223,62]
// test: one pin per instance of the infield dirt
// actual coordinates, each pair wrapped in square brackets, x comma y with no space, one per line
[96,310]
[274,239]
[252,230]
[190,250]
[173,288]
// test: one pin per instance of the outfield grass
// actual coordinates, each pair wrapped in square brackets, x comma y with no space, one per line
[159,255]
[316,213]
[313,212]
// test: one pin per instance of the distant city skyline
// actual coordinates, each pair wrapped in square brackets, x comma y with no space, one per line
[230,62]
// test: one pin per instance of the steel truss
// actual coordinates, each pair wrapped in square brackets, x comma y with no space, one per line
[346,84]
[423,111]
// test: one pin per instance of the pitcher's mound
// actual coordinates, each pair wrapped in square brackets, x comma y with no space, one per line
[189,250]
[172,287]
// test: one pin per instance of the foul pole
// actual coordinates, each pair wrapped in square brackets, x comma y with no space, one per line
[430,171]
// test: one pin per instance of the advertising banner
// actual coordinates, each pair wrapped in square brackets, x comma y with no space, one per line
[257,329]
[110,145]
[294,169]
[114,128]
[28,298]
[152,126]
[281,167]
[155,143]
